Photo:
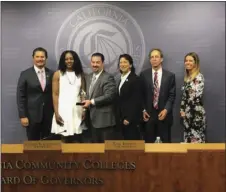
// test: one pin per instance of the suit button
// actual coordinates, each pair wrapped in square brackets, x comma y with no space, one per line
[43,104]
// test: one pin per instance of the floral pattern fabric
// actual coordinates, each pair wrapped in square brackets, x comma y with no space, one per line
[195,116]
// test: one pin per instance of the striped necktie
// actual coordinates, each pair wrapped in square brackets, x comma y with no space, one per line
[156,91]
[92,84]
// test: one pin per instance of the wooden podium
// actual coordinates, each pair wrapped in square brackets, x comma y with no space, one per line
[116,166]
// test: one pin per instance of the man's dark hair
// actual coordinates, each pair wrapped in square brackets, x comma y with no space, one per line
[40,49]
[156,49]
[98,55]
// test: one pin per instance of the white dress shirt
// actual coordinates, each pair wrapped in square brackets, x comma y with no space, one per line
[97,76]
[123,79]
[159,76]
[38,72]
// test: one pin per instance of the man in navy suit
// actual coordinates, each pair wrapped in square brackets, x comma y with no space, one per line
[159,92]
[34,97]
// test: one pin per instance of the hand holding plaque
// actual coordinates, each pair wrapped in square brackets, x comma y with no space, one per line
[82,96]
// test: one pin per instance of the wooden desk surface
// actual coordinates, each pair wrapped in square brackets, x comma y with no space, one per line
[100,148]
[160,168]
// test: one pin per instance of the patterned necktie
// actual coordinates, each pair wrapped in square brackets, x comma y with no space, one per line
[92,84]
[156,91]
[42,79]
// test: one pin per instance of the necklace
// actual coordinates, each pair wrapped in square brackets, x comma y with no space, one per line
[70,82]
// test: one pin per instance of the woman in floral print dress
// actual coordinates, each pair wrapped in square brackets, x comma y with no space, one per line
[192,111]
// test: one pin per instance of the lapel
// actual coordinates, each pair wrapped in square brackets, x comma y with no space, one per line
[96,83]
[88,81]
[35,76]
[117,85]
[163,80]
[48,81]
[125,83]
[151,80]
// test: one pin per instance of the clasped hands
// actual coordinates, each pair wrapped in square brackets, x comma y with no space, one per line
[161,115]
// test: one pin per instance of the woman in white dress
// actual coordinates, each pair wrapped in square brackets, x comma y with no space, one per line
[68,82]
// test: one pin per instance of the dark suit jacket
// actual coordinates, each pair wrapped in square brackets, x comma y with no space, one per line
[129,101]
[167,92]
[104,92]
[31,100]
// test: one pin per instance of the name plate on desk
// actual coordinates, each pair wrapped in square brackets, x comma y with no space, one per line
[125,145]
[42,145]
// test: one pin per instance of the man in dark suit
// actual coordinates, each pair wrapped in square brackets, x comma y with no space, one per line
[34,97]
[159,92]
[128,100]
[101,90]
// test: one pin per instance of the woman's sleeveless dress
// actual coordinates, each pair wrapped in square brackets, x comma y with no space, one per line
[69,87]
